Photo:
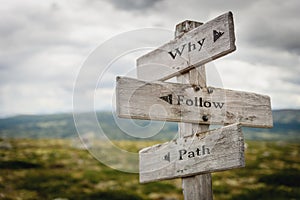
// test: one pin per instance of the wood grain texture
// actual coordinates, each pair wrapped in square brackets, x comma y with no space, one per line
[194,49]
[215,150]
[198,187]
[141,100]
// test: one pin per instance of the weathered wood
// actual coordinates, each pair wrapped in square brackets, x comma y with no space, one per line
[216,150]
[189,103]
[197,187]
[205,43]
[185,26]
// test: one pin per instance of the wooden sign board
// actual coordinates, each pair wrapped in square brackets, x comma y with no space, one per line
[215,150]
[186,103]
[196,47]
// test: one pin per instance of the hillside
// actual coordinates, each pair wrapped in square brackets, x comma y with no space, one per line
[286,127]
[54,169]
[63,126]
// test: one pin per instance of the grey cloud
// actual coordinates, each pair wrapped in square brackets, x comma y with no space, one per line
[25,30]
[273,24]
[41,44]
[34,43]
[132,5]
[294,80]
[224,5]
[37,28]
[267,55]
[280,37]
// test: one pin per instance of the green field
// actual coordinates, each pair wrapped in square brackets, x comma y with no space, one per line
[53,169]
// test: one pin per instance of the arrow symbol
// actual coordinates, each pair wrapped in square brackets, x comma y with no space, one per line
[167,157]
[217,35]
[167,98]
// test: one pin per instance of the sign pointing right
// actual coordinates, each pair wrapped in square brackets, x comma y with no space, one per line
[217,35]
[201,45]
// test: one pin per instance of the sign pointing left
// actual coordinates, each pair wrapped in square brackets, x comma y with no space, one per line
[215,150]
[167,98]
[182,103]
[167,157]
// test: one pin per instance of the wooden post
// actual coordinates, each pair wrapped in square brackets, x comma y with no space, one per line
[195,187]
[159,162]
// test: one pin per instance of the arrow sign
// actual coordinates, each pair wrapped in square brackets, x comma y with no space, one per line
[167,157]
[217,35]
[205,43]
[167,98]
[182,103]
[216,150]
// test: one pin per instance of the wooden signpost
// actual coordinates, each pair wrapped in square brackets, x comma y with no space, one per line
[192,49]
[211,151]
[197,151]
[183,103]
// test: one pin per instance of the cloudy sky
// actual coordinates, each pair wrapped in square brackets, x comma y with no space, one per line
[45,44]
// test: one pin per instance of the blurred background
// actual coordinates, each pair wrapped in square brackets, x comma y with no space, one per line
[45,44]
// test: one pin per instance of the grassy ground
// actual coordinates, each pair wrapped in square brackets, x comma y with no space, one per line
[54,169]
